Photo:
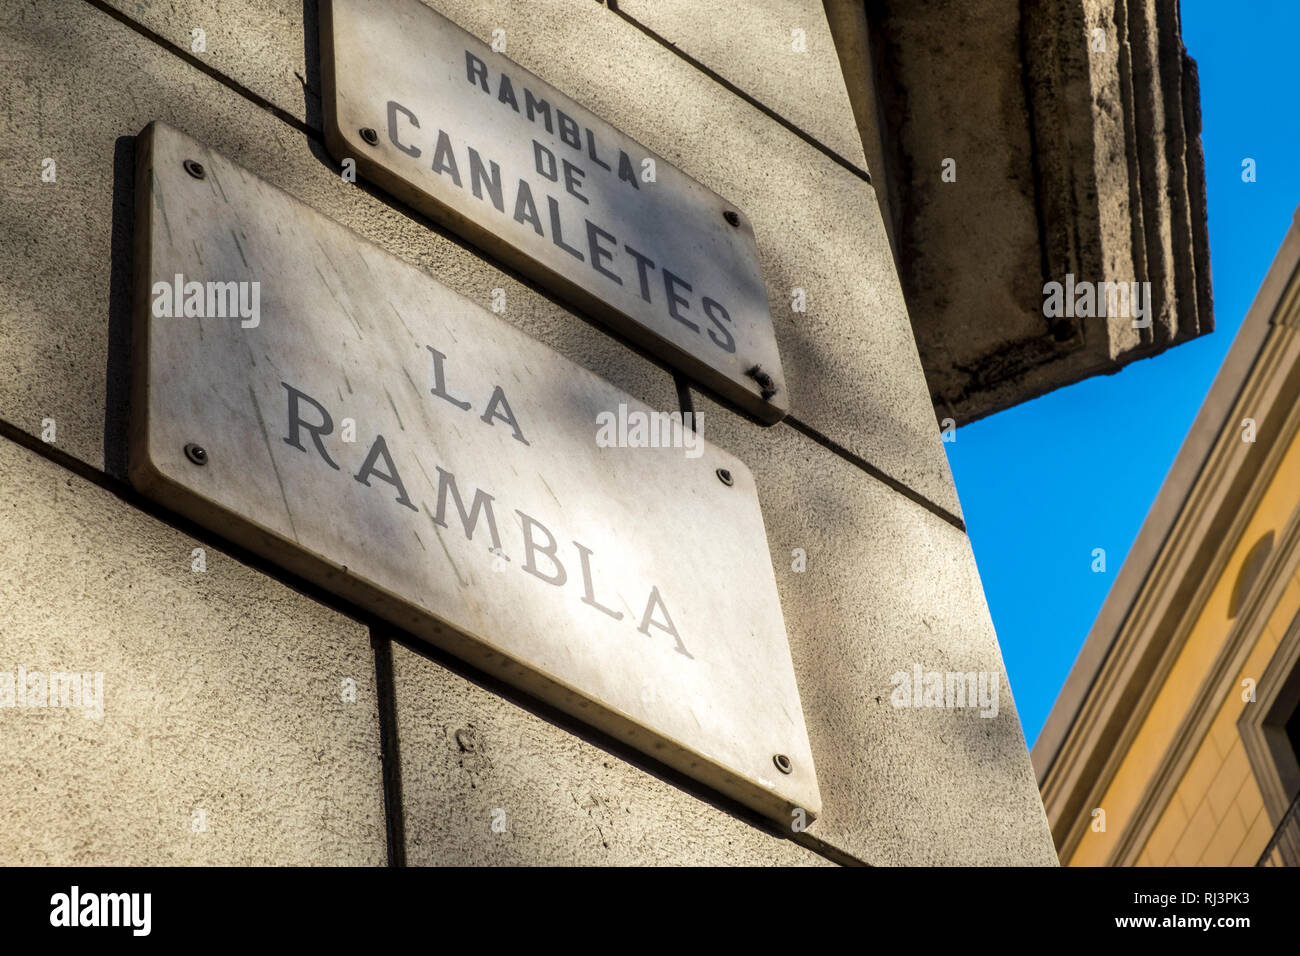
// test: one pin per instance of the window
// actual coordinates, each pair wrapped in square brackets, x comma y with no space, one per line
[1270,732]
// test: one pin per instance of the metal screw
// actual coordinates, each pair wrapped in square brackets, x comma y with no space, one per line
[195,169]
[732,217]
[783,763]
[196,453]
[370,136]
[724,476]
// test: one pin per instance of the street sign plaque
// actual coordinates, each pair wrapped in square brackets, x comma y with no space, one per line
[314,399]
[490,151]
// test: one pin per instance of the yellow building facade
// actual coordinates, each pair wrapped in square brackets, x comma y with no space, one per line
[1174,740]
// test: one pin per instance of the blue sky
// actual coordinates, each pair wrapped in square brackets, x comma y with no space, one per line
[1045,483]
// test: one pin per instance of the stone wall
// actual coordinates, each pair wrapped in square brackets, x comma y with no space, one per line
[222,687]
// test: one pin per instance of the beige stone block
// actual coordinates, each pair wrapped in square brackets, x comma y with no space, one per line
[1252,845]
[1232,774]
[1225,843]
[1195,837]
[259,44]
[1249,799]
[222,696]
[1161,842]
[1198,775]
[486,781]
[754,46]
[1223,730]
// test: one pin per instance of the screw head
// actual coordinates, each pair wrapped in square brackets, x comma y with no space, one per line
[196,453]
[195,168]
[369,135]
[732,217]
[724,476]
[783,763]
